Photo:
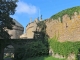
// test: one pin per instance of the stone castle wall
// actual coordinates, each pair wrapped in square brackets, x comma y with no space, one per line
[68,30]
[15,32]
[30,28]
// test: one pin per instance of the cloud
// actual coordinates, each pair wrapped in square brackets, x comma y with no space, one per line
[26,8]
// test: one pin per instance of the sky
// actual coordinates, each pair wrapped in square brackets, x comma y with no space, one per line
[27,9]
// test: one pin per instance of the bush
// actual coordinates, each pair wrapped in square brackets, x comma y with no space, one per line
[19,53]
[31,49]
[35,49]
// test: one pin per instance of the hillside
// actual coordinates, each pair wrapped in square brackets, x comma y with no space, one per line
[65,25]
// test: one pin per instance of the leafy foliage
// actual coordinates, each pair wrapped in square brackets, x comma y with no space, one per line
[31,49]
[64,48]
[7,8]
[19,53]
[42,25]
[69,12]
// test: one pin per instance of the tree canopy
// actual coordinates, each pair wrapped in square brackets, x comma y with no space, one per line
[7,8]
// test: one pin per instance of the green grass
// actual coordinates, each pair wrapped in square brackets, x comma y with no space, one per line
[44,58]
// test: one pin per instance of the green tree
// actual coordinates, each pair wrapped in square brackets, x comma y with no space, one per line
[7,8]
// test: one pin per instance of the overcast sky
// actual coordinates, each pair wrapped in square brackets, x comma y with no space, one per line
[27,9]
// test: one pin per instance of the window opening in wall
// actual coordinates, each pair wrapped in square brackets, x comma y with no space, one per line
[8,52]
[66,25]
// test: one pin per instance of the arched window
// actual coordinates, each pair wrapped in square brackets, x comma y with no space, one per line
[9,51]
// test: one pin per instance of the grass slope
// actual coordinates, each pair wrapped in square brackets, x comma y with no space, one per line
[44,58]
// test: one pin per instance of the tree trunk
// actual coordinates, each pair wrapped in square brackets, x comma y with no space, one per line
[1,53]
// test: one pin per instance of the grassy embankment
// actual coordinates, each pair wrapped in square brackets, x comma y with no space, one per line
[44,58]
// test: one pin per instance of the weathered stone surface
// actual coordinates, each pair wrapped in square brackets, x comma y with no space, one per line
[16,31]
[71,57]
[30,28]
[68,30]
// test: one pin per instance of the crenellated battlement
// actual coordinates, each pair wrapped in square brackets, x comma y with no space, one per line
[67,30]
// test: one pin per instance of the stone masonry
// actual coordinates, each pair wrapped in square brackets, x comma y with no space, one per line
[68,30]
[30,28]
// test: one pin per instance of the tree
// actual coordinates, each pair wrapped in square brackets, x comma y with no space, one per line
[7,8]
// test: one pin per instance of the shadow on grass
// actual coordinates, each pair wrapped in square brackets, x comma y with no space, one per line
[44,58]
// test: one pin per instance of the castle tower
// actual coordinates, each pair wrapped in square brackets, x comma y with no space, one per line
[36,20]
[30,20]
[41,18]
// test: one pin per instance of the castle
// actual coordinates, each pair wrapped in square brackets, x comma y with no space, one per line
[18,29]
[31,28]
[67,30]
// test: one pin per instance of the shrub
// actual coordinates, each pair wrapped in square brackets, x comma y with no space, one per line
[19,53]
[35,49]
[31,49]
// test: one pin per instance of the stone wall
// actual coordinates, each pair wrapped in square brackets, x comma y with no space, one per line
[68,30]
[16,31]
[30,28]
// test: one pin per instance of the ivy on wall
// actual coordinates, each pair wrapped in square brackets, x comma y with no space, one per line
[64,48]
[42,25]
